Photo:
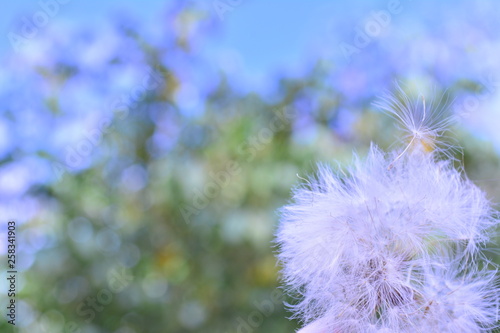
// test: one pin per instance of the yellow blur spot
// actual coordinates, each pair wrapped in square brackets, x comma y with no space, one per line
[428,145]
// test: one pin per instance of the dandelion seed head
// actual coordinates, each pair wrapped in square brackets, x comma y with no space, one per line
[376,248]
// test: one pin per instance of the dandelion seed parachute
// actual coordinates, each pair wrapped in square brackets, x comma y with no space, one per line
[391,249]
[423,122]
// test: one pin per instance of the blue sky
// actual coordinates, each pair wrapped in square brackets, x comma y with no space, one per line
[266,35]
[262,37]
[258,39]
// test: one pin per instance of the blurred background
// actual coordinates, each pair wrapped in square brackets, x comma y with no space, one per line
[145,147]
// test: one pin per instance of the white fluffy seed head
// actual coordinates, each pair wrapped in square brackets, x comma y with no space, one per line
[360,251]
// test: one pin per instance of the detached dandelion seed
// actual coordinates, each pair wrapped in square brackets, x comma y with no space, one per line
[396,243]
